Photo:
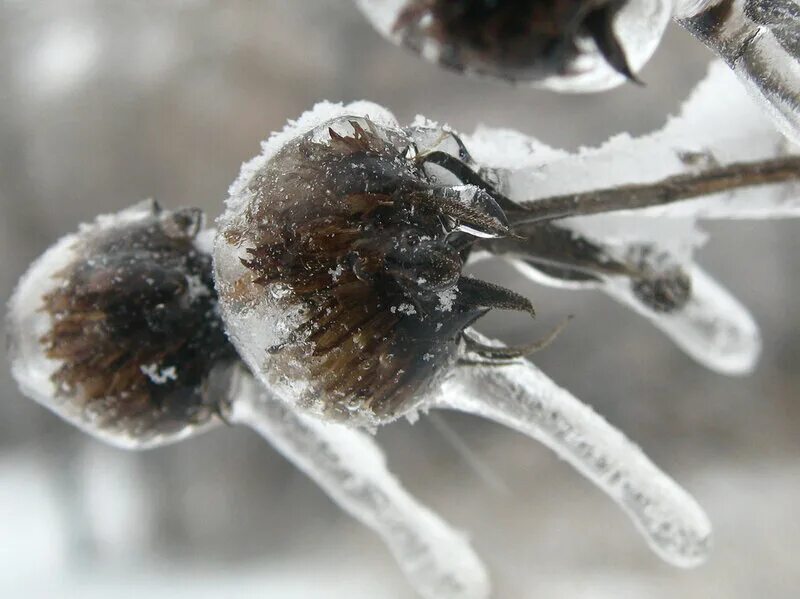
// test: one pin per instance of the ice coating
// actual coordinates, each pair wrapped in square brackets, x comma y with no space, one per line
[105,328]
[579,66]
[297,211]
[265,321]
[758,40]
[351,469]
[523,398]
[339,263]
[708,324]
[719,125]
[239,195]
[714,328]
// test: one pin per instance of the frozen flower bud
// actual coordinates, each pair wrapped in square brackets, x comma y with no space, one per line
[570,45]
[338,267]
[115,327]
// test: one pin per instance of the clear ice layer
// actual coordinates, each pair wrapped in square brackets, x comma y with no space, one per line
[638,26]
[113,416]
[759,40]
[521,397]
[349,466]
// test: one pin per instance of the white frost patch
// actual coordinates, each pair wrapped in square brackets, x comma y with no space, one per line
[159,376]
[447,299]
[204,241]
[404,309]
[336,273]
[196,288]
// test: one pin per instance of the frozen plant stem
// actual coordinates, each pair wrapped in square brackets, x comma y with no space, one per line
[521,397]
[351,469]
[666,191]
[758,41]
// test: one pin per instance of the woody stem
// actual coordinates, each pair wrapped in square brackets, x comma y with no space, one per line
[666,191]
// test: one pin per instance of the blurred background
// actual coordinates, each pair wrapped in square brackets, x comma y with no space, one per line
[105,102]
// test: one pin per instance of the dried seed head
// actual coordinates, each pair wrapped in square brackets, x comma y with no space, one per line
[338,266]
[571,44]
[115,328]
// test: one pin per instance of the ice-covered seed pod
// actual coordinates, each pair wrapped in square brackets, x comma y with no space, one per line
[338,268]
[115,328]
[567,45]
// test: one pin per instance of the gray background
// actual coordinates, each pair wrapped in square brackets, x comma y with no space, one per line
[105,102]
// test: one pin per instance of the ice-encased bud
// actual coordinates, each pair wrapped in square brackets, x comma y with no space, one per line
[317,262]
[115,328]
[565,45]
[338,266]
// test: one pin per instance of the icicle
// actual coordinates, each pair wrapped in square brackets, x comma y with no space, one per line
[521,397]
[351,469]
[714,328]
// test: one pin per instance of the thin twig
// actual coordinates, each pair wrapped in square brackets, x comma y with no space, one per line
[672,189]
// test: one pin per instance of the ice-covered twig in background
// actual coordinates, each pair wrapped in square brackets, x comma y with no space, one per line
[719,130]
[758,39]
[521,397]
[350,467]
[679,298]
